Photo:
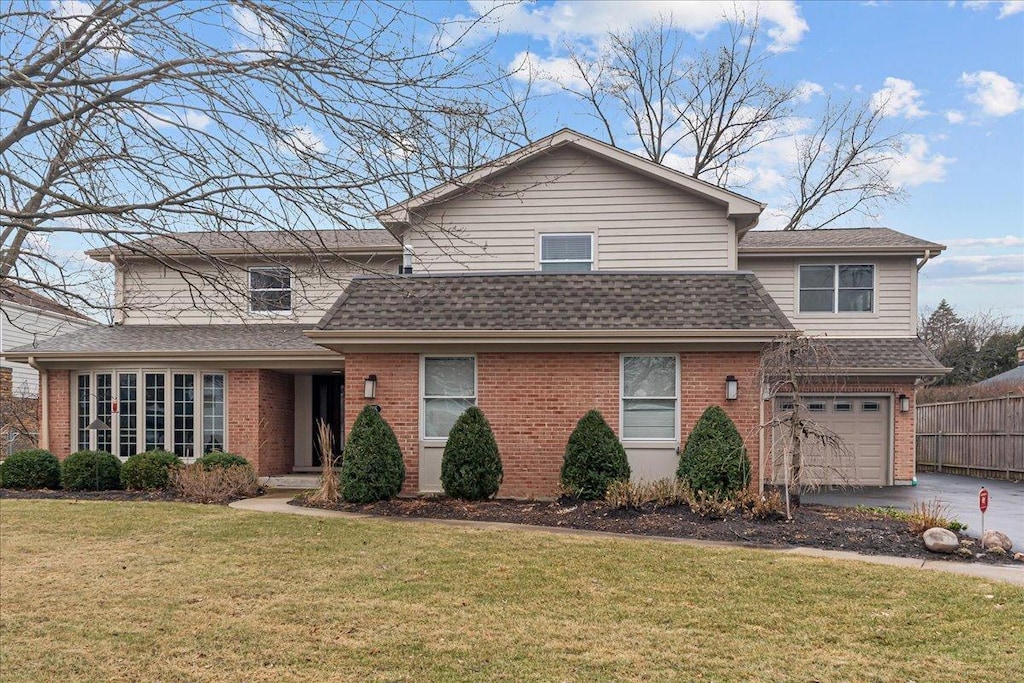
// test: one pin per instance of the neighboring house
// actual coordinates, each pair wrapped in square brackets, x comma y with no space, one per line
[566,276]
[1012,377]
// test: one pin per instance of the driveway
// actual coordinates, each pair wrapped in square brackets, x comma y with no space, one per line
[959,494]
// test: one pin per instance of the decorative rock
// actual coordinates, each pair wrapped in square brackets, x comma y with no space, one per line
[996,539]
[939,540]
[1019,557]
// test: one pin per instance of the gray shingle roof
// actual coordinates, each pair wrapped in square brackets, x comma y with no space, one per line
[259,242]
[546,301]
[177,338]
[1011,376]
[26,297]
[886,353]
[833,238]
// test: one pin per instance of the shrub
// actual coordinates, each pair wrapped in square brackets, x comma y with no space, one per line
[201,484]
[148,471]
[594,457]
[714,459]
[764,506]
[221,459]
[471,464]
[90,471]
[373,468]
[627,494]
[31,469]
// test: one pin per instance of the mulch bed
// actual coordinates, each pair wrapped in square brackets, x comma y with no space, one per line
[166,496]
[815,526]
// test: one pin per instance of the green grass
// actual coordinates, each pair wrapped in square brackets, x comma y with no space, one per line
[171,592]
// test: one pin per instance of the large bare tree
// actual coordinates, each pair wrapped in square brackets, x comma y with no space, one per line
[127,119]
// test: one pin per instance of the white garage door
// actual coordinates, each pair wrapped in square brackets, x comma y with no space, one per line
[863,424]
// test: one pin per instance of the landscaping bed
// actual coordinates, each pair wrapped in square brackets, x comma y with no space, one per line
[160,496]
[815,526]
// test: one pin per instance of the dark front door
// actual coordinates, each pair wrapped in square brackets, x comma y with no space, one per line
[328,407]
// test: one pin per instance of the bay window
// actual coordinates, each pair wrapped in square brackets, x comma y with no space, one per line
[650,397]
[449,388]
[150,409]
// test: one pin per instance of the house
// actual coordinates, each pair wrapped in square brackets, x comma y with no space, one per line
[1011,378]
[565,276]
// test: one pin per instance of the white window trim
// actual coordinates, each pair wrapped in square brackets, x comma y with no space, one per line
[593,248]
[290,290]
[623,398]
[140,402]
[423,397]
[835,291]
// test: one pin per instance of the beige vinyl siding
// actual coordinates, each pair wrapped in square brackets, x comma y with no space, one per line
[895,282]
[157,294]
[638,223]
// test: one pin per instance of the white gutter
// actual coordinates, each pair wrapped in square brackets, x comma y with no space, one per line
[927,257]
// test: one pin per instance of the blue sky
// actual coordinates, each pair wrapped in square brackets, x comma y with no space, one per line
[953,74]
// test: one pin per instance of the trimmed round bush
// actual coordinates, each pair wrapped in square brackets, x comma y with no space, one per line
[31,469]
[148,471]
[594,457]
[221,459]
[714,459]
[90,471]
[471,464]
[372,468]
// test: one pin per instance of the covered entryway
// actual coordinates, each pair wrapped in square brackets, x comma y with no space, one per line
[864,423]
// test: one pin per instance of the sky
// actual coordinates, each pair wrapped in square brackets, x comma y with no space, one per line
[951,75]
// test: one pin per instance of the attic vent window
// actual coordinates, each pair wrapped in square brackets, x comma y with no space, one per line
[270,290]
[567,253]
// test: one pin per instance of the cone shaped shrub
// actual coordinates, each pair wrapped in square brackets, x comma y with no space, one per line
[373,468]
[594,457]
[714,459]
[148,471]
[90,471]
[32,469]
[471,465]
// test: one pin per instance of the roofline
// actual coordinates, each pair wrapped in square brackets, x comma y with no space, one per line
[852,250]
[883,371]
[163,356]
[129,254]
[71,316]
[397,216]
[588,337]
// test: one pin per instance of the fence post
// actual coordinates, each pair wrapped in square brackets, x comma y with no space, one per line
[938,450]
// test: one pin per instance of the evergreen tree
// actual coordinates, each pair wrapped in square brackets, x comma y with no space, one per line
[471,465]
[373,468]
[594,457]
[714,459]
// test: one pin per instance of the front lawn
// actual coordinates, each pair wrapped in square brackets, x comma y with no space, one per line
[97,591]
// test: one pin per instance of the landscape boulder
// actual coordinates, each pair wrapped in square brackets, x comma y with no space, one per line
[939,540]
[996,539]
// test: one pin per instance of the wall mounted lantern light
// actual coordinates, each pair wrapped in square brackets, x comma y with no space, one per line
[904,403]
[732,388]
[370,387]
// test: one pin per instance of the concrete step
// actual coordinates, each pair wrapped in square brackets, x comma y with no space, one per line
[291,481]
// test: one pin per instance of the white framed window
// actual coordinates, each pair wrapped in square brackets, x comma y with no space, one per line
[567,253]
[270,290]
[837,288]
[650,397]
[182,411]
[448,387]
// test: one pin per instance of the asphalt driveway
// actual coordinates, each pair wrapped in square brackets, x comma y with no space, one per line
[959,494]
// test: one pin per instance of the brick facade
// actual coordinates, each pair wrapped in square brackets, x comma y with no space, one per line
[58,392]
[260,419]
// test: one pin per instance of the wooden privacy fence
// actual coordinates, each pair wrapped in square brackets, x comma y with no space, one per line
[982,437]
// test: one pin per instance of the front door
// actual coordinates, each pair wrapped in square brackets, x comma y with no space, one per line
[328,407]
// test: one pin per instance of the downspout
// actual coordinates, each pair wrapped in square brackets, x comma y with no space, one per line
[927,257]
[760,444]
[44,403]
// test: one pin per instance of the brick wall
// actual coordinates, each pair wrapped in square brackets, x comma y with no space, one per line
[58,386]
[260,419]
[533,401]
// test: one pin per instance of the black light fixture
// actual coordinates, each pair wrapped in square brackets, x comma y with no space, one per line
[732,388]
[904,403]
[98,425]
[370,387]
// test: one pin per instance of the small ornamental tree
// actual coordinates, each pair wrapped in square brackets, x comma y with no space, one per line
[714,459]
[594,457]
[471,464]
[373,468]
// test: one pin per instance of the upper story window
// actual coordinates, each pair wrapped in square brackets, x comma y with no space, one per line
[270,290]
[835,288]
[567,253]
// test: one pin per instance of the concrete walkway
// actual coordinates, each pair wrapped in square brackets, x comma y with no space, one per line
[277,501]
[959,494]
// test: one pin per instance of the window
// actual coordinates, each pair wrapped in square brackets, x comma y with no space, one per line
[155,410]
[270,290]
[816,407]
[650,397]
[84,412]
[184,415]
[828,289]
[213,413]
[128,421]
[105,411]
[870,407]
[449,387]
[567,253]
[843,407]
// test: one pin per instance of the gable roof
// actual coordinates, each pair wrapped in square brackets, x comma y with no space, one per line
[744,210]
[254,242]
[884,240]
[882,356]
[26,297]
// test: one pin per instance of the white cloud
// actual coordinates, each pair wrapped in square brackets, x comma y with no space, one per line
[196,120]
[68,15]
[993,93]
[953,116]
[1007,8]
[260,34]
[916,166]
[549,74]
[1004,241]
[898,97]
[579,18]
[805,90]
[302,141]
